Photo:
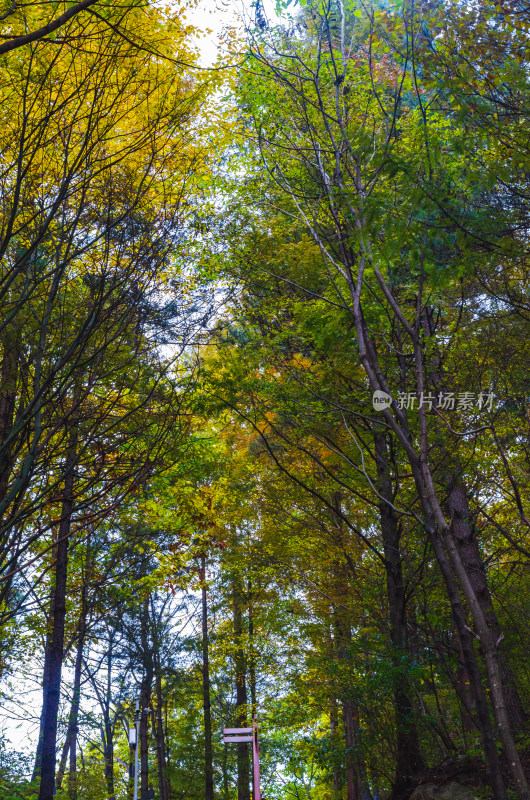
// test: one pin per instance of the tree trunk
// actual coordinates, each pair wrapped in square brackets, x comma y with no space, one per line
[62,761]
[357,786]
[158,716]
[471,665]
[226,782]
[443,543]
[334,725]
[364,786]
[447,552]
[45,671]
[489,646]
[243,758]
[145,696]
[9,373]
[108,731]
[435,521]
[160,736]
[353,778]
[8,393]
[464,534]
[409,761]
[70,743]
[208,748]
[251,655]
[465,537]
[108,756]
[55,644]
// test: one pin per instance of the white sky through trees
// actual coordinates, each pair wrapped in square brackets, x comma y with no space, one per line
[218,15]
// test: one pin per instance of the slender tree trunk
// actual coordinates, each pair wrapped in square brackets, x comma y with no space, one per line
[243,758]
[45,671]
[462,686]
[251,654]
[70,743]
[489,646]
[108,756]
[108,732]
[158,716]
[62,761]
[167,750]
[364,786]
[226,783]
[160,736]
[145,696]
[464,535]
[208,747]
[443,543]
[435,521]
[334,725]
[466,540]
[144,740]
[357,786]
[409,761]
[353,778]
[9,369]
[54,658]
[471,665]
[55,644]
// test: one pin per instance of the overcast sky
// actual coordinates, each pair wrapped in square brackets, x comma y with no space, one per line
[217,15]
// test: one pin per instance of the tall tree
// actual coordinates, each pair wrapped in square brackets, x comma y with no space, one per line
[208,749]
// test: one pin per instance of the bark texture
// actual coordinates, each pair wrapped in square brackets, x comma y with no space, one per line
[55,640]
[409,761]
[243,755]
[206,704]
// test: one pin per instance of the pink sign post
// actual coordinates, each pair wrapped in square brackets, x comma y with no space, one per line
[247,735]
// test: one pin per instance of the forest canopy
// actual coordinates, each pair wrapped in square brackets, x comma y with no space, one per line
[264,401]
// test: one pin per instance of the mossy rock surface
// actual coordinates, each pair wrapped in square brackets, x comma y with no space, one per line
[450,791]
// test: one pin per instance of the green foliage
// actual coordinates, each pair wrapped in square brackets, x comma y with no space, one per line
[352,214]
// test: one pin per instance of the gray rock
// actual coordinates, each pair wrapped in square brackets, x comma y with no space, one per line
[433,791]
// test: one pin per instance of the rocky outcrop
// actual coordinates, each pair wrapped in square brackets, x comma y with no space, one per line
[450,791]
